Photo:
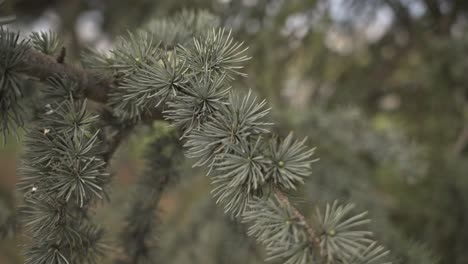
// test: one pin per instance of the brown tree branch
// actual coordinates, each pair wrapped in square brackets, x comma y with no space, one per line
[312,234]
[95,85]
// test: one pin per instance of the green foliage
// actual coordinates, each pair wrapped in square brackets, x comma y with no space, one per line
[12,51]
[132,50]
[276,225]
[224,238]
[216,52]
[160,79]
[46,42]
[231,125]
[290,162]
[342,236]
[225,133]
[163,157]
[62,173]
[197,100]
[180,28]
[64,167]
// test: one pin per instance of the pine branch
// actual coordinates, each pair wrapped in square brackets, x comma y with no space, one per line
[93,85]
[312,234]
[113,132]
[226,132]
[64,168]
[163,156]
[19,61]
[63,174]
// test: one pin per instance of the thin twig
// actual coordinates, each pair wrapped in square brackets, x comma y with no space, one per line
[312,234]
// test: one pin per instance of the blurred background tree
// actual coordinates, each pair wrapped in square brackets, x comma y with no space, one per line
[379,86]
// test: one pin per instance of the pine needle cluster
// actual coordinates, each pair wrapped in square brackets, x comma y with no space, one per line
[180,67]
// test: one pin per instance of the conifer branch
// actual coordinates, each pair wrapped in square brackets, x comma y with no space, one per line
[64,166]
[63,174]
[163,155]
[312,234]
[225,131]
[94,85]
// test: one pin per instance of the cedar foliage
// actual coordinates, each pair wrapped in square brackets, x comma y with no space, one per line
[180,72]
